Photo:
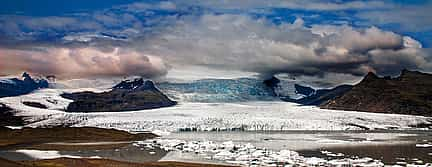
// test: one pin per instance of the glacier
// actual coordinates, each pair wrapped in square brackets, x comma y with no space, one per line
[189,116]
[228,90]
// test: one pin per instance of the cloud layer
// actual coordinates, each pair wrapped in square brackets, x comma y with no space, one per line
[299,38]
[243,43]
[81,62]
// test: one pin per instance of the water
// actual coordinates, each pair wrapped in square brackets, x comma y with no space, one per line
[391,147]
[129,153]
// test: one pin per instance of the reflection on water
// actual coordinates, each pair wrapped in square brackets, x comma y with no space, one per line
[128,153]
[389,154]
[389,146]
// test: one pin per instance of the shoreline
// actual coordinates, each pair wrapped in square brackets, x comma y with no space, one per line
[43,138]
[58,139]
[86,162]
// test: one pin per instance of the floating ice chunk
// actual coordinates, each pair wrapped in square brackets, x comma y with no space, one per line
[223,155]
[401,163]
[14,127]
[39,154]
[95,157]
[249,155]
[424,145]
[314,161]
[161,133]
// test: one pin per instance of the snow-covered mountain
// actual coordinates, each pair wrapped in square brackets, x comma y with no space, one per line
[15,86]
[128,95]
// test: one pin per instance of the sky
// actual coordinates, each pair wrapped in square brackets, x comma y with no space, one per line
[329,40]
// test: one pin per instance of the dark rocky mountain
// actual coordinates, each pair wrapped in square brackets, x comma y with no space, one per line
[410,93]
[126,96]
[317,97]
[137,84]
[304,90]
[324,95]
[16,87]
[310,95]
[272,83]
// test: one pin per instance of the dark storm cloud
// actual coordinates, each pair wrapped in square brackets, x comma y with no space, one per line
[241,42]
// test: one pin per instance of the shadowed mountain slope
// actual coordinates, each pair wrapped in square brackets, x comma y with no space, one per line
[126,96]
[410,93]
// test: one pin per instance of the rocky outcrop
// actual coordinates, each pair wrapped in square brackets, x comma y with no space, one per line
[304,90]
[272,83]
[410,93]
[7,117]
[308,95]
[125,96]
[16,87]
[324,95]
[319,96]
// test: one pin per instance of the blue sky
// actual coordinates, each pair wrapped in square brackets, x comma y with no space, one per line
[347,34]
[420,27]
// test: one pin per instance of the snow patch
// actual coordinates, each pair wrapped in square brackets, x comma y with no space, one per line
[424,145]
[14,127]
[39,154]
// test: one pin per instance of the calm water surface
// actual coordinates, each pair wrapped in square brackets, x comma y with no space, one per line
[389,146]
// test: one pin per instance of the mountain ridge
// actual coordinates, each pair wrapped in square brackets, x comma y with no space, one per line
[15,87]
[410,93]
[128,95]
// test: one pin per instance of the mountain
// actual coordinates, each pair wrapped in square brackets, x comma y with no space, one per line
[16,87]
[304,90]
[410,93]
[272,83]
[317,97]
[128,95]
[321,96]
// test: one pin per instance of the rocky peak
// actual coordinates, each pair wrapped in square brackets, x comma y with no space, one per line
[27,78]
[148,85]
[407,94]
[272,83]
[370,76]
[407,75]
[304,90]
[15,86]
[136,84]
[128,95]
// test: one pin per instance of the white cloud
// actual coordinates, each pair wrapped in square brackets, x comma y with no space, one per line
[411,43]
[241,43]
[81,62]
